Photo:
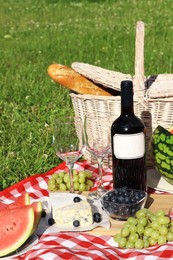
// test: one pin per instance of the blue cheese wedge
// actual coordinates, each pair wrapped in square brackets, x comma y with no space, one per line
[79,211]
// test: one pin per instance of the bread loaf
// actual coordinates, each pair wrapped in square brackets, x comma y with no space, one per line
[72,80]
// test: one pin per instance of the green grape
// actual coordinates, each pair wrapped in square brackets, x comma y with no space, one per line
[126,225]
[133,237]
[76,185]
[66,178]
[59,180]
[149,214]
[55,175]
[82,174]
[163,220]
[155,234]
[62,187]
[140,229]
[171,228]
[87,187]
[51,184]
[88,174]
[81,180]
[51,187]
[90,183]
[125,232]
[51,181]
[61,174]
[155,225]
[139,244]
[122,242]
[160,213]
[68,185]
[130,245]
[146,243]
[133,228]
[132,221]
[141,213]
[143,221]
[148,231]
[153,218]
[163,230]
[162,240]
[152,241]
[82,187]
[75,178]
[169,236]
[117,237]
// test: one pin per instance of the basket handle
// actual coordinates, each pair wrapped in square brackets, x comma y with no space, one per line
[139,61]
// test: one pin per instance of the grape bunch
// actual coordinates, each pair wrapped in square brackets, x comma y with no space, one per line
[145,229]
[82,181]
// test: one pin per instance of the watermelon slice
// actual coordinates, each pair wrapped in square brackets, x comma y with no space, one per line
[22,200]
[16,226]
[36,206]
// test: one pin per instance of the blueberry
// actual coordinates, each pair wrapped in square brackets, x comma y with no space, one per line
[142,194]
[43,213]
[126,200]
[125,193]
[121,199]
[76,223]
[127,211]
[114,200]
[110,194]
[105,204]
[106,198]
[76,199]
[97,217]
[51,221]
[133,200]
[120,192]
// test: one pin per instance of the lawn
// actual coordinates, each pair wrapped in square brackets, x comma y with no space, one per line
[37,33]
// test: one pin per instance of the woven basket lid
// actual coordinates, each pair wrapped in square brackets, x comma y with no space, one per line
[107,78]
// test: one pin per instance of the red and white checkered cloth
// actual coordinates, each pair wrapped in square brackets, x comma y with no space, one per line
[76,245]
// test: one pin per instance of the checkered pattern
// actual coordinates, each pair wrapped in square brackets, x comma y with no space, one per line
[74,245]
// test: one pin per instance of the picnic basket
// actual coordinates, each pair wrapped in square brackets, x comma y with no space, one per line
[153,97]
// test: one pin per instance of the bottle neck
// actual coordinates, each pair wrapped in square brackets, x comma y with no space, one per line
[127,100]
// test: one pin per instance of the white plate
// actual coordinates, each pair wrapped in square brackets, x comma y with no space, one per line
[62,199]
[157,182]
[24,248]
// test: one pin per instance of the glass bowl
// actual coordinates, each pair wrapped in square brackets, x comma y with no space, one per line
[122,203]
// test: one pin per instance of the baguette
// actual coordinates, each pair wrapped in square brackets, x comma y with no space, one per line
[72,80]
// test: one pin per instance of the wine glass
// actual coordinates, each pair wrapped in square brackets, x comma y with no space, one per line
[68,142]
[98,142]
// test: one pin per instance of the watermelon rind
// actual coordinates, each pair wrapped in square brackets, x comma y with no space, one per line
[37,207]
[162,151]
[15,228]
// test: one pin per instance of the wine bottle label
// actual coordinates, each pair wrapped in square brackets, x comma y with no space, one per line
[129,146]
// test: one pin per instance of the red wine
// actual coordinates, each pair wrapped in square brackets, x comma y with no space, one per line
[128,144]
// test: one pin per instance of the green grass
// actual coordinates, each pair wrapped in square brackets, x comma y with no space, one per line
[36,33]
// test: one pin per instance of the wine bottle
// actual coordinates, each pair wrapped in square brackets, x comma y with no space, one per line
[128,144]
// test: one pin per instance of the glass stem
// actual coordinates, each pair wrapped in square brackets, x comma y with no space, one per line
[100,162]
[70,168]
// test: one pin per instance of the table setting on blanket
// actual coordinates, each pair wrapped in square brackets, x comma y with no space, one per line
[77,245]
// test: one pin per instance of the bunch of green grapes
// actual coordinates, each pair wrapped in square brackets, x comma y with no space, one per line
[145,229]
[82,181]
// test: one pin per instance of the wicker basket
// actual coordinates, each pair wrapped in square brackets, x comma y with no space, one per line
[153,111]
